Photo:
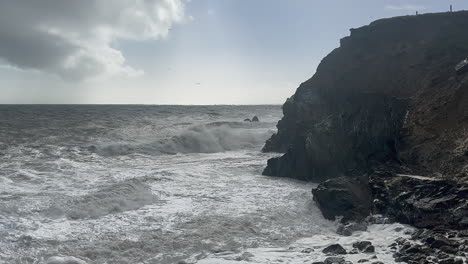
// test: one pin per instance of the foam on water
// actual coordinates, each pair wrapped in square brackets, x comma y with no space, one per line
[309,249]
[123,196]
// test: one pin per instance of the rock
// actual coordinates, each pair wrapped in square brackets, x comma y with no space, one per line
[307,250]
[440,241]
[414,249]
[361,245]
[247,120]
[420,201]
[255,119]
[345,197]
[377,219]
[334,260]
[447,261]
[449,249]
[334,249]
[400,241]
[364,246]
[349,229]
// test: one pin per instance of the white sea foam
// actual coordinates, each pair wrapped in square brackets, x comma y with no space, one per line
[309,249]
[123,196]
[64,260]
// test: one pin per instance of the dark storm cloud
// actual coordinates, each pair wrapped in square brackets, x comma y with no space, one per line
[73,38]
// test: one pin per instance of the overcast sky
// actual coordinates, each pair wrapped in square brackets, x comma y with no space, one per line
[175,51]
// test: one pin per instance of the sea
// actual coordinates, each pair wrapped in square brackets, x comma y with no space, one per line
[144,184]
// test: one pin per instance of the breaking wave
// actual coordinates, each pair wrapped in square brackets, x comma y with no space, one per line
[210,138]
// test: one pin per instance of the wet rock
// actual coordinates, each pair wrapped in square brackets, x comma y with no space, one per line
[377,219]
[447,261]
[255,119]
[420,201]
[449,249]
[334,260]
[349,229]
[364,246]
[361,245]
[400,241]
[345,197]
[415,249]
[334,249]
[439,242]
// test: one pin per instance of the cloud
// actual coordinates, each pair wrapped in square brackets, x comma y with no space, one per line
[408,7]
[73,38]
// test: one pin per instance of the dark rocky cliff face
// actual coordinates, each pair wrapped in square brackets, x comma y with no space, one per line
[388,95]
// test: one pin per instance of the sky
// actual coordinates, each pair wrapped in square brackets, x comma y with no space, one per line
[176,51]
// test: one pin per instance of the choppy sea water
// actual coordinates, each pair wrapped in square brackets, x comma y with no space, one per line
[155,184]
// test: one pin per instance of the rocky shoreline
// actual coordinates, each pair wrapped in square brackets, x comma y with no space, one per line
[382,126]
[424,246]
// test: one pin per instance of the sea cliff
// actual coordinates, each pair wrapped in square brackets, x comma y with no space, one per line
[388,95]
[382,126]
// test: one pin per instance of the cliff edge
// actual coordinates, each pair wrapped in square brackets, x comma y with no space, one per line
[389,96]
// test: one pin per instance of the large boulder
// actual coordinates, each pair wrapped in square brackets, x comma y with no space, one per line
[343,196]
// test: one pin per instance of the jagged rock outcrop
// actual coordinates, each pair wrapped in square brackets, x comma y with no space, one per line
[388,95]
[420,201]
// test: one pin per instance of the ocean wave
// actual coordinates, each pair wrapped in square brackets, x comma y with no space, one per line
[209,138]
[123,196]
